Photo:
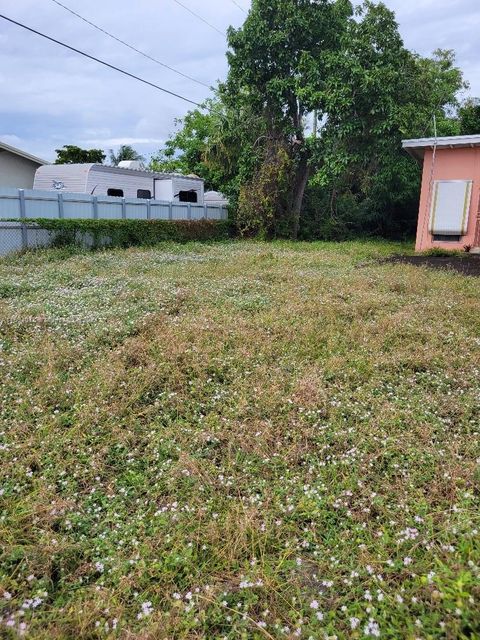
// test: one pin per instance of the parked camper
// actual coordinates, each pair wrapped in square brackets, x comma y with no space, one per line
[121,181]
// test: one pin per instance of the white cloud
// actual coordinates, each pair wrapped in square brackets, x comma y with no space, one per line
[12,140]
[115,142]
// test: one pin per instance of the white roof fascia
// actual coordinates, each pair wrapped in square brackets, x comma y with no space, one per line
[417,147]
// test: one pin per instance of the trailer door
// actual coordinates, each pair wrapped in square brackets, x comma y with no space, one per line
[163,190]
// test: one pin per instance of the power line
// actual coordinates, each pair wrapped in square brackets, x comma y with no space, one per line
[142,53]
[222,33]
[235,3]
[106,64]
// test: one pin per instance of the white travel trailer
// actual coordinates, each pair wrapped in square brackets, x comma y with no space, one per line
[123,181]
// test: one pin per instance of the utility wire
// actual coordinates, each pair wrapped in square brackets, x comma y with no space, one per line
[222,33]
[235,3]
[142,53]
[106,64]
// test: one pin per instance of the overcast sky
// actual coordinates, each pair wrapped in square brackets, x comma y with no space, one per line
[50,96]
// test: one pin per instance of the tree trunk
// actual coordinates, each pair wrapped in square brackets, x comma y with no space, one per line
[300,185]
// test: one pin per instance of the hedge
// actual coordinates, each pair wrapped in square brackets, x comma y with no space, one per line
[128,233]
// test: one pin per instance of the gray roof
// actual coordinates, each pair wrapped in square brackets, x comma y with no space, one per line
[105,168]
[416,148]
[18,152]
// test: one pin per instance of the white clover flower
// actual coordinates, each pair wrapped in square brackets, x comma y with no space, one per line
[147,610]
[314,604]
[354,623]
[372,629]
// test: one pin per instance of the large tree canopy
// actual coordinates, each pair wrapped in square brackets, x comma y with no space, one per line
[348,71]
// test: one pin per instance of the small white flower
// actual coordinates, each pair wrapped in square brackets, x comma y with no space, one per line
[147,609]
[354,622]
[314,604]
[372,629]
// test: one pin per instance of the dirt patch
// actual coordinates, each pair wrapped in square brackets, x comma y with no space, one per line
[467,265]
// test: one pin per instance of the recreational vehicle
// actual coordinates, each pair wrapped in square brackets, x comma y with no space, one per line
[126,180]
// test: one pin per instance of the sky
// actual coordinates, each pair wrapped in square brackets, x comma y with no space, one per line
[50,97]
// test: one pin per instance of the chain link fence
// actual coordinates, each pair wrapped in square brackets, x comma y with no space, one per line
[16,236]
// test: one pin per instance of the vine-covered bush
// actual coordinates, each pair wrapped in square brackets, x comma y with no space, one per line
[127,233]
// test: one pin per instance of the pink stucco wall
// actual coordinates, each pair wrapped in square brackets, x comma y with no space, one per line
[450,164]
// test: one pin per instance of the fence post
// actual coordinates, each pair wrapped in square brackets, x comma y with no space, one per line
[189,211]
[149,210]
[23,215]
[124,209]
[205,211]
[95,207]
[61,208]
[170,210]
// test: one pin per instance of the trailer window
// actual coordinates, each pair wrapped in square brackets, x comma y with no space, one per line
[116,193]
[144,194]
[188,196]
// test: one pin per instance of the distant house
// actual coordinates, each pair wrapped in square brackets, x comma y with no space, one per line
[449,216]
[17,168]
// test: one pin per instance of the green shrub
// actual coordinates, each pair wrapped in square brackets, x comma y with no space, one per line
[127,233]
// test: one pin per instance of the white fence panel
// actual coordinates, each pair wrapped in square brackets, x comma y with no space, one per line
[180,211]
[216,213]
[9,203]
[109,208]
[159,210]
[136,209]
[75,206]
[43,205]
[198,212]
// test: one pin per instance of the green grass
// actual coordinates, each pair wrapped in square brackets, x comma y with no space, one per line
[240,441]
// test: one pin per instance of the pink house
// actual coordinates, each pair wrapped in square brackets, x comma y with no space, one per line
[449,215]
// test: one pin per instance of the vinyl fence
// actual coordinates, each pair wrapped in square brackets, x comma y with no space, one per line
[22,204]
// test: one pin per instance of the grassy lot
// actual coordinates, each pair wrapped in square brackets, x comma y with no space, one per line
[240,441]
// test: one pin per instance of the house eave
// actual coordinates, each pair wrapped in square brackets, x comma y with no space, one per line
[22,154]
[418,146]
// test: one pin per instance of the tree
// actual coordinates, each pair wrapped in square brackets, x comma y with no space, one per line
[125,152]
[216,142]
[293,58]
[189,149]
[469,117]
[271,59]
[70,154]
[376,93]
